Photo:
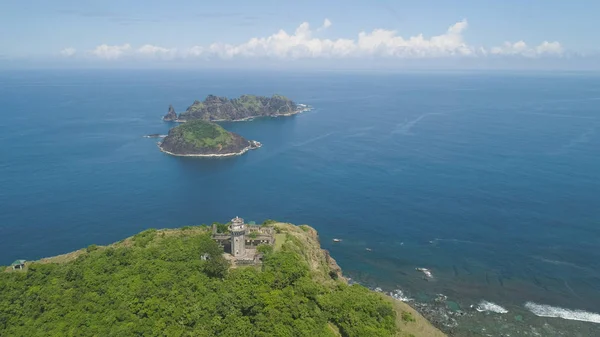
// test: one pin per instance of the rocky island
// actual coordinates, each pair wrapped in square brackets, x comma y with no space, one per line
[246,107]
[171,115]
[200,138]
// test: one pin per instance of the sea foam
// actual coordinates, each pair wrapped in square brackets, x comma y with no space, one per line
[491,307]
[399,295]
[543,310]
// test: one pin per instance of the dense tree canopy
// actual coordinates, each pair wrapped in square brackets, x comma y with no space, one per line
[158,285]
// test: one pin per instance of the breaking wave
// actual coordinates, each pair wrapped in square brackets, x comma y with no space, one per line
[491,307]
[399,295]
[543,310]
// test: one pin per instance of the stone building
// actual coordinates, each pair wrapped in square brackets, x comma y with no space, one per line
[18,264]
[242,240]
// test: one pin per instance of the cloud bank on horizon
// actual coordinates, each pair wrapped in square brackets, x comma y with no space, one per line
[303,44]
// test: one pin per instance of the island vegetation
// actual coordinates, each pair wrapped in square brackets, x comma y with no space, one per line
[157,283]
[246,107]
[202,138]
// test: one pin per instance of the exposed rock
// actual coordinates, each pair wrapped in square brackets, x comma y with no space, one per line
[333,266]
[171,115]
[155,135]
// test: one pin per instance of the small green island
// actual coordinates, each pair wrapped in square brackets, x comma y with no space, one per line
[246,107]
[231,280]
[200,138]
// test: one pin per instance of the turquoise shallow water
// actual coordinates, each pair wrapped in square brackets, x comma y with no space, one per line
[489,180]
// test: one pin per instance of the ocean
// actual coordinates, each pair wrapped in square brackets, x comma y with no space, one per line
[491,180]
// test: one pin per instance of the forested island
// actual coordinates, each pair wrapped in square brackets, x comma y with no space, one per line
[245,107]
[178,282]
[200,138]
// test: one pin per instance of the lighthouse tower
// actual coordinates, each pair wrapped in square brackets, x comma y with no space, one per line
[238,239]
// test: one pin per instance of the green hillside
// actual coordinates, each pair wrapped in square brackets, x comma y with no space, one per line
[156,284]
[202,134]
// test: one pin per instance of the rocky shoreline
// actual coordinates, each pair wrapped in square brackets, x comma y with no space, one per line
[253,146]
[247,119]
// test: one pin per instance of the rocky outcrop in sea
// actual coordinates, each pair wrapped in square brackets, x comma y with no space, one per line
[171,115]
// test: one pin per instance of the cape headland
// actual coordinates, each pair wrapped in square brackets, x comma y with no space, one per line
[180,282]
[200,138]
[246,107]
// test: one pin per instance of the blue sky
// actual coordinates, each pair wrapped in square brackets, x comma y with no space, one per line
[152,32]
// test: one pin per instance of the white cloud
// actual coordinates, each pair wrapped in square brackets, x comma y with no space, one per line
[67,52]
[549,48]
[326,24]
[379,42]
[388,43]
[111,52]
[149,49]
[510,48]
[520,48]
[195,51]
[156,51]
[301,43]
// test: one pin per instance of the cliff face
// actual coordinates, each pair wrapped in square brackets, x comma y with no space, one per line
[215,108]
[201,138]
[171,115]
[309,246]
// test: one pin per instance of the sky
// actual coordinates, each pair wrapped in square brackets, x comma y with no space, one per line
[314,34]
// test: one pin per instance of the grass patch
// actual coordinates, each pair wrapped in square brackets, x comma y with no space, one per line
[279,241]
[407,317]
[334,329]
[419,327]
[91,248]
[269,222]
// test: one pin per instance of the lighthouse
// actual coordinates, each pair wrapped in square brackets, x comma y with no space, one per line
[238,239]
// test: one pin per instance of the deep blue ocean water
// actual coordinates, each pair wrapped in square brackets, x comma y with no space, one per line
[490,180]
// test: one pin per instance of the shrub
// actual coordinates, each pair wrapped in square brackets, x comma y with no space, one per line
[407,317]
[144,238]
[359,312]
[265,249]
[221,227]
[269,222]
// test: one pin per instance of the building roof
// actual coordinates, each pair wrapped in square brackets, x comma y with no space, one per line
[251,222]
[18,263]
